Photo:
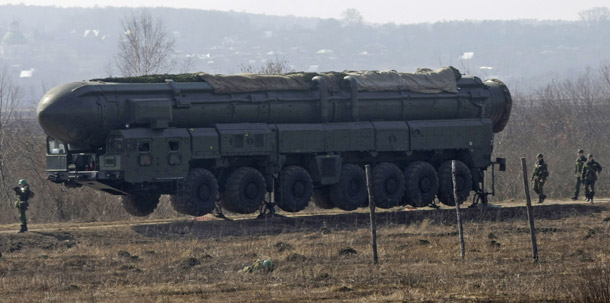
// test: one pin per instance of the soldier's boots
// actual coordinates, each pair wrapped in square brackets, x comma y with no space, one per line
[591,197]
[575,197]
[541,198]
[23,229]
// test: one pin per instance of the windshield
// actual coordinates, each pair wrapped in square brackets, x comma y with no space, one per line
[55,147]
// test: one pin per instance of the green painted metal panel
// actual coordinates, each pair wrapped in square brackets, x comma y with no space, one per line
[205,143]
[156,112]
[391,136]
[349,136]
[300,138]
[450,134]
[245,139]
[155,155]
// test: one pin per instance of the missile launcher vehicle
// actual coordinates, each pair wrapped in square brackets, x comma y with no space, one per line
[213,141]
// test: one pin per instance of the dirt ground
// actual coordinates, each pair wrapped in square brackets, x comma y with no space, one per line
[324,257]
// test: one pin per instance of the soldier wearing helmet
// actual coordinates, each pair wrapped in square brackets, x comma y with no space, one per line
[23,193]
[539,177]
[580,162]
[589,176]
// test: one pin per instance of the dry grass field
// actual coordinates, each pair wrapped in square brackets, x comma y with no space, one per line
[321,258]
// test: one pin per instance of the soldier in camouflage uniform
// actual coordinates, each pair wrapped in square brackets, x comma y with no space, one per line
[580,162]
[539,177]
[589,176]
[23,193]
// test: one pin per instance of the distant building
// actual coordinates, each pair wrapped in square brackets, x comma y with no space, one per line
[13,41]
[14,36]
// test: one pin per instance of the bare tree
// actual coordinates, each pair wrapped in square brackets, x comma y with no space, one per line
[277,66]
[595,16]
[352,17]
[145,47]
[10,95]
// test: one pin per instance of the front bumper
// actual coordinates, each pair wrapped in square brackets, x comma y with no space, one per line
[83,176]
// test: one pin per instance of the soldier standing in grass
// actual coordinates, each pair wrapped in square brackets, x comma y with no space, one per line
[23,193]
[589,176]
[539,177]
[580,162]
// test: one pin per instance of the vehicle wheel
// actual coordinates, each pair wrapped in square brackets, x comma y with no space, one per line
[245,191]
[200,193]
[350,192]
[421,184]
[388,185]
[445,183]
[295,189]
[321,198]
[140,203]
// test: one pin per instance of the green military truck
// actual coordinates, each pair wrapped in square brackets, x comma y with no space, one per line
[213,140]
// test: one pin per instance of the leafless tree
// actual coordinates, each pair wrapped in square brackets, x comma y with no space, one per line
[595,16]
[145,47]
[10,95]
[274,67]
[352,17]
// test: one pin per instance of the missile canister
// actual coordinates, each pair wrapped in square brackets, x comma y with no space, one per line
[84,112]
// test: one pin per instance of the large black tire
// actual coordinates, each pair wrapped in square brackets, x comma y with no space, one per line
[295,190]
[388,185]
[199,194]
[140,203]
[350,192]
[421,184]
[245,191]
[445,182]
[321,198]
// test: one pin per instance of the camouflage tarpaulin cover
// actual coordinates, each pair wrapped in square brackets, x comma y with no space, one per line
[224,84]
[422,81]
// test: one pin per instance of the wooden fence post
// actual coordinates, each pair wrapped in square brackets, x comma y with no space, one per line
[530,215]
[456,198]
[369,187]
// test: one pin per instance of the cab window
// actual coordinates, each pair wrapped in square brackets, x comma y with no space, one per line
[55,147]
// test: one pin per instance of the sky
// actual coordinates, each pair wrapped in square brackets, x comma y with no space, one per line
[373,11]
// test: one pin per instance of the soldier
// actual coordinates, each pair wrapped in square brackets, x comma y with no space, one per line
[580,161]
[539,177]
[589,176]
[23,193]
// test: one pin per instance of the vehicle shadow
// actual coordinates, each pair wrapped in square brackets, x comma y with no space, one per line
[351,221]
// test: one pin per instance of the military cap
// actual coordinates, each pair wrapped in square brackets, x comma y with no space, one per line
[23,181]
[580,151]
[589,156]
[539,156]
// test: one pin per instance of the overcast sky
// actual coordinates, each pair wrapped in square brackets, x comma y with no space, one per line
[375,11]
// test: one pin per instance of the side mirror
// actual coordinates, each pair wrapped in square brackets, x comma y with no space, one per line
[502,163]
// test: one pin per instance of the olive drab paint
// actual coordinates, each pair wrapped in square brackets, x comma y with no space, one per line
[132,139]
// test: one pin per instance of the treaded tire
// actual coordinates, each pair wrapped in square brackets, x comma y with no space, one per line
[445,183]
[321,198]
[140,203]
[421,184]
[388,185]
[295,189]
[350,192]
[200,193]
[245,191]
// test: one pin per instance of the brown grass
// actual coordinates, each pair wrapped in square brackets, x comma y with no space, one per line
[419,261]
